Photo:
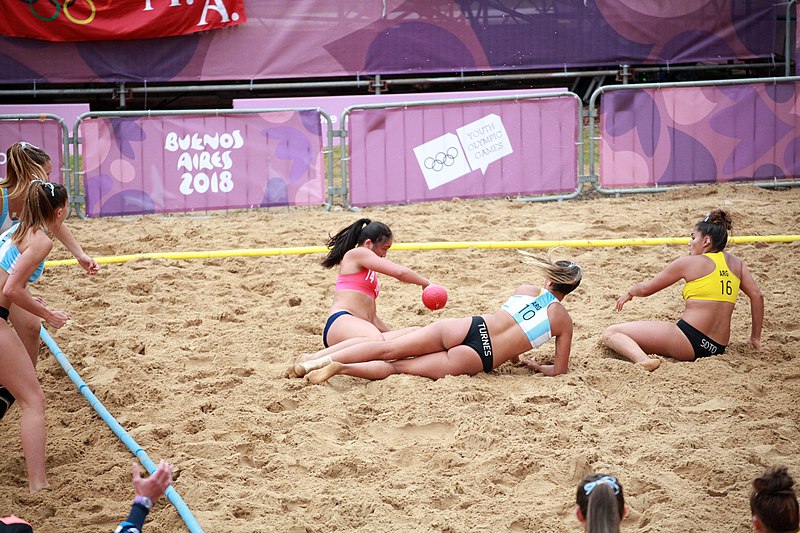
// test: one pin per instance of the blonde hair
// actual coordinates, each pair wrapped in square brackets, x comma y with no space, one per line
[40,207]
[565,275]
[25,162]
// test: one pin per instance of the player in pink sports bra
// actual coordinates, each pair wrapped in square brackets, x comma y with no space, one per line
[360,251]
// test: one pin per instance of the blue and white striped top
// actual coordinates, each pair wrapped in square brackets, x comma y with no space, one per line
[530,312]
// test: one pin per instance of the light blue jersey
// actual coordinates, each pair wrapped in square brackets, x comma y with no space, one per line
[530,312]
[5,216]
[9,254]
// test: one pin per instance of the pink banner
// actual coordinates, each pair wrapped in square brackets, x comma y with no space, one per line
[687,135]
[45,133]
[166,164]
[335,105]
[467,150]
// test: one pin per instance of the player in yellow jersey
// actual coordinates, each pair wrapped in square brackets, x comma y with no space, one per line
[713,279]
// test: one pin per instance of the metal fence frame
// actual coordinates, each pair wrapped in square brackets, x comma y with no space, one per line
[76,171]
[66,170]
[344,124]
[593,112]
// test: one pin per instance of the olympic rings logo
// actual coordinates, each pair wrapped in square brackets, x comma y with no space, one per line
[442,159]
[65,6]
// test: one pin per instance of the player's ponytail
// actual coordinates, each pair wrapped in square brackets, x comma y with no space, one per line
[354,235]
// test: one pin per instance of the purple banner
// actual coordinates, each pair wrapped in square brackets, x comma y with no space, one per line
[324,38]
[467,150]
[143,165]
[46,133]
[699,135]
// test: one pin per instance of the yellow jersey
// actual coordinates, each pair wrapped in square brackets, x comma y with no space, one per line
[721,285]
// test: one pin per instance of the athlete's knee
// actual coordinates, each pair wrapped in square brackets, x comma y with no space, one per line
[32,399]
[27,329]
[609,333]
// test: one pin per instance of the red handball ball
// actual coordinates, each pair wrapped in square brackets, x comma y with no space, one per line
[434,297]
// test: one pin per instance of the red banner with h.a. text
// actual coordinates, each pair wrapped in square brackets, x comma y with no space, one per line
[113,20]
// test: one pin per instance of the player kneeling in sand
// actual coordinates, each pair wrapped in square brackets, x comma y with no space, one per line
[466,346]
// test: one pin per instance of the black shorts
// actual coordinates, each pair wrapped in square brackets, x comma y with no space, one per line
[478,339]
[702,345]
[3,313]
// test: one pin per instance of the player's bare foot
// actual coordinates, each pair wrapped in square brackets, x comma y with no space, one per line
[325,373]
[650,364]
[301,368]
[37,486]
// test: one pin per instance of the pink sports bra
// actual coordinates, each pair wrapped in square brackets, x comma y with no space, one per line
[365,281]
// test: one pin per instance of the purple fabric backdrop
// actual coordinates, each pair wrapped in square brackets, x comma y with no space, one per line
[46,134]
[699,135]
[146,165]
[436,152]
[317,38]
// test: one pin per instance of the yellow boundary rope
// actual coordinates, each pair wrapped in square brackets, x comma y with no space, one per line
[262,252]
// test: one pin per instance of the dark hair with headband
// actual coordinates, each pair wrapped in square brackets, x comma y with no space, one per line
[602,503]
[774,501]
[25,162]
[354,235]
[40,207]
[716,225]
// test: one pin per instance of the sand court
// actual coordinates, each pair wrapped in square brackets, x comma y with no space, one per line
[191,358]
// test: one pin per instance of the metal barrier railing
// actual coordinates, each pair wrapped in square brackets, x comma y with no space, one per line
[593,176]
[345,149]
[65,169]
[76,171]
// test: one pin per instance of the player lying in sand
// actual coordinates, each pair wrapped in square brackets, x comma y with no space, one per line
[713,279]
[465,346]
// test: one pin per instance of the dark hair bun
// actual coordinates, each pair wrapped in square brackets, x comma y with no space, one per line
[774,480]
[718,216]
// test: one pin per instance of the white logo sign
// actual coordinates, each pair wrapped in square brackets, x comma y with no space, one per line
[448,157]
[442,160]
[485,141]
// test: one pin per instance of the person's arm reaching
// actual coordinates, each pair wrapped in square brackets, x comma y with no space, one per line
[68,240]
[663,279]
[148,490]
[751,289]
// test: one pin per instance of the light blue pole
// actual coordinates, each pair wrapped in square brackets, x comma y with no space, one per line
[171,494]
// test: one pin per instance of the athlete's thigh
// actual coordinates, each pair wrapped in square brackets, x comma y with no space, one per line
[460,360]
[17,372]
[393,334]
[348,327]
[24,321]
[439,336]
[660,338]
